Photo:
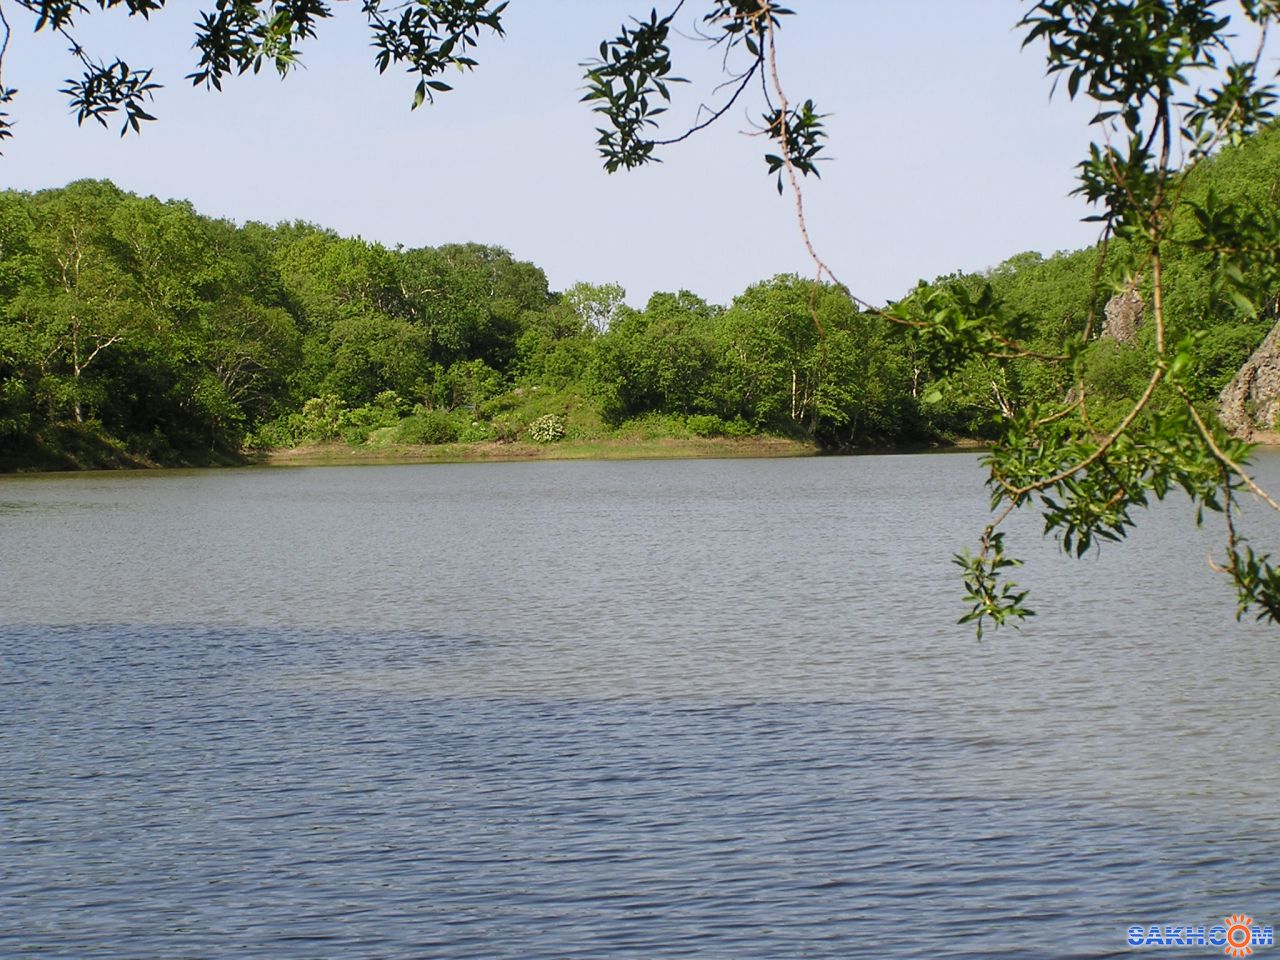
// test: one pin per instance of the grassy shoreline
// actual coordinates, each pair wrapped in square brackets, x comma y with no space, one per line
[667,448]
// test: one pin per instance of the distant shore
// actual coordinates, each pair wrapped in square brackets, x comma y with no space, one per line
[340,454]
[102,456]
[336,453]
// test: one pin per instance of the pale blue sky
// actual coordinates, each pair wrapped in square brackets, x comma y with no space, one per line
[948,153]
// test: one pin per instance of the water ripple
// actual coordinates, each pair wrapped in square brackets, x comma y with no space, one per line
[593,747]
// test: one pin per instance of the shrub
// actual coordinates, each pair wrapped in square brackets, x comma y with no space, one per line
[655,426]
[707,425]
[468,383]
[427,427]
[357,424]
[548,428]
[322,417]
[286,431]
[391,401]
[474,431]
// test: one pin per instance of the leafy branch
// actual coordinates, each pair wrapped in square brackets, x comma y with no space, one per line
[242,36]
[1135,59]
[429,38]
[630,83]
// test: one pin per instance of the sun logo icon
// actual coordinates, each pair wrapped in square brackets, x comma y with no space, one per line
[1239,936]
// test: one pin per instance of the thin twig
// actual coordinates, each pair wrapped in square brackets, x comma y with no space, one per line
[1102,448]
[4,44]
[746,78]
[790,167]
[1222,456]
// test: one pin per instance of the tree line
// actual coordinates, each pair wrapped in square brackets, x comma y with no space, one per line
[135,330]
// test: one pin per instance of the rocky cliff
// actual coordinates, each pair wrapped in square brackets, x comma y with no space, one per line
[1249,404]
[1123,315]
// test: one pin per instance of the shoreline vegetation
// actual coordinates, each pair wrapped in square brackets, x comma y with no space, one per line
[330,453]
[136,332]
[89,453]
[341,454]
[614,448]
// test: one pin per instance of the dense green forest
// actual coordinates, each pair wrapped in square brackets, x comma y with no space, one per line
[139,331]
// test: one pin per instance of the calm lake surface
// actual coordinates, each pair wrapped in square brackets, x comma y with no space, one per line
[638,710]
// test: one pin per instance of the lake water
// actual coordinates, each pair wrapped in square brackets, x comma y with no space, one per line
[635,710]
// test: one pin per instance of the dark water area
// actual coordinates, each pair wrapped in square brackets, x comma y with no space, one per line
[683,709]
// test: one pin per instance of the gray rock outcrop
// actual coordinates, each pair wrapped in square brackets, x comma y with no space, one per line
[1249,404]
[1123,316]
